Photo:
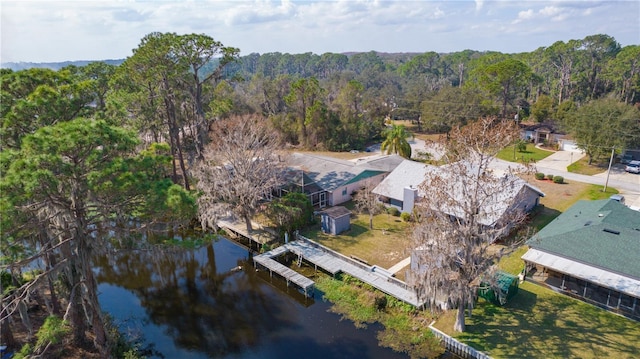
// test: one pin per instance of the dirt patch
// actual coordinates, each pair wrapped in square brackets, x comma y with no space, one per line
[559,196]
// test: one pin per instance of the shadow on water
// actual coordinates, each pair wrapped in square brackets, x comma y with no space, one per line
[193,304]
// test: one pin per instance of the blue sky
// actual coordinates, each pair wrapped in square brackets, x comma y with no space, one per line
[50,31]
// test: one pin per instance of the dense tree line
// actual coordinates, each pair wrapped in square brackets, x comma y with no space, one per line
[92,151]
[351,93]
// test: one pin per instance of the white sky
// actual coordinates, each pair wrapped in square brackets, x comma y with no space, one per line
[52,31]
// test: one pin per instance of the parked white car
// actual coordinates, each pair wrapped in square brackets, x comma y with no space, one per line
[617,197]
[633,167]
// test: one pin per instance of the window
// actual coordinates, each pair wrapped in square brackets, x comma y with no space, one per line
[344,192]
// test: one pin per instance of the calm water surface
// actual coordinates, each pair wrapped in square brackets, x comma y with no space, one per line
[192,304]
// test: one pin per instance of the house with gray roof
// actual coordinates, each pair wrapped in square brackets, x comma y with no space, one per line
[401,189]
[330,181]
[590,252]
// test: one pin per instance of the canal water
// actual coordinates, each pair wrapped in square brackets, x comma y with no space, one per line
[212,303]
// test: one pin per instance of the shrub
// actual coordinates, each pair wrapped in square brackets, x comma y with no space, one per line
[393,211]
[265,248]
[405,216]
[539,175]
[381,303]
[558,179]
[550,177]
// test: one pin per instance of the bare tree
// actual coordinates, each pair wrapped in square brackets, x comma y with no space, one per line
[367,201]
[465,207]
[241,167]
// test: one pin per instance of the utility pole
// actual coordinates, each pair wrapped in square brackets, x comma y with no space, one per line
[609,170]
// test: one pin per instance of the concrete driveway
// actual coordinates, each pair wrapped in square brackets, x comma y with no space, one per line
[627,183]
[560,160]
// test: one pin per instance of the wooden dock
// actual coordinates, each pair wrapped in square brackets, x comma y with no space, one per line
[259,235]
[334,263]
[266,260]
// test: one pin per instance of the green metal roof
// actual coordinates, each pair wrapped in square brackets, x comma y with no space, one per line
[364,175]
[604,234]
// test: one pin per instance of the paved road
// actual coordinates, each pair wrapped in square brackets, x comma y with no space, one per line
[556,164]
[417,145]
[627,183]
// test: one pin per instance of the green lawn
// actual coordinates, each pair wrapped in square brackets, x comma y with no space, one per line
[539,323]
[387,244]
[582,166]
[530,154]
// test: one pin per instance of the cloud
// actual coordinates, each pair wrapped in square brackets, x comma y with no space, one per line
[551,11]
[71,30]
[259,12]
[525,15]
[479,4]
[129,15]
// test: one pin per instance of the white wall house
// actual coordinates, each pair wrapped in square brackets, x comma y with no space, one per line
[401,189]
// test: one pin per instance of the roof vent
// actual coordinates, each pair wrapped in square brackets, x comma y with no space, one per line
[587,223]
[612,231]
[600,215]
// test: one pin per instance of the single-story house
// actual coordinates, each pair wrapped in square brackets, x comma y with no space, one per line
[400,189]
[330,181]
[568,144]
[335,220]
[541,132]
[590,252]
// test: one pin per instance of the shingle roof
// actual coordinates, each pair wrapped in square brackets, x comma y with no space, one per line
[604,234]
[406,174]
[336,212]
[385,163]
[330,173]
[412,174]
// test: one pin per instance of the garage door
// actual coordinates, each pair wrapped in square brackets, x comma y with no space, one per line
[570,146]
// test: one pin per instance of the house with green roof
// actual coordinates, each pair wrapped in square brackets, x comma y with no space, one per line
[590,252]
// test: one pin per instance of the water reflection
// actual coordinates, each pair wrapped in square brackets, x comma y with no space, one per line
[189,303]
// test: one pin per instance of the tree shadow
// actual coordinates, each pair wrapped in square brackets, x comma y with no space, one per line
[544,324]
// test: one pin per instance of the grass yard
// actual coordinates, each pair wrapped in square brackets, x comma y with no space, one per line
[532,153]
[562,196]
[583,167]
[539,323]
[387,244]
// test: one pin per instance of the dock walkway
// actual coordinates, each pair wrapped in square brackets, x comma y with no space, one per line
[334,263]
[259,235]
[288,274]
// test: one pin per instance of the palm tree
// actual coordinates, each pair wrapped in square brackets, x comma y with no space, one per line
[396,141]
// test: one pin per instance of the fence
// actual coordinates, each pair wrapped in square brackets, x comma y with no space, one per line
[457,347]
